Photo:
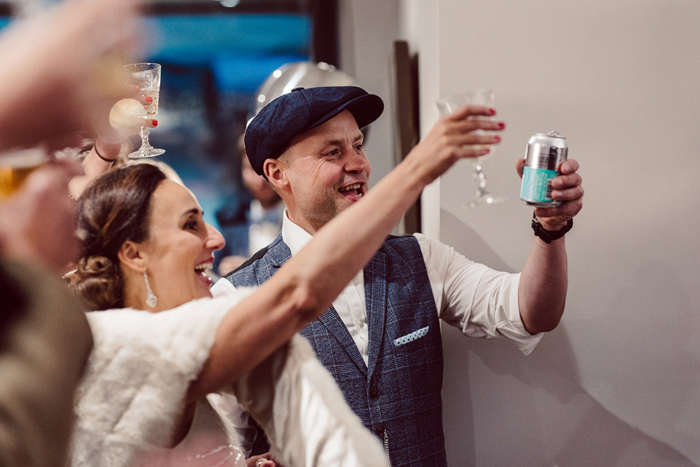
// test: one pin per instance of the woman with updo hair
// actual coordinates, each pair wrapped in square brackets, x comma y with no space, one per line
[127,195]
[168,357]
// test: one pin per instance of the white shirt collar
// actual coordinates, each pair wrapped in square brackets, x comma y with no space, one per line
[294,236]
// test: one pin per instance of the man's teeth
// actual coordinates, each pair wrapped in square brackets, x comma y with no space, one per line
[355,186]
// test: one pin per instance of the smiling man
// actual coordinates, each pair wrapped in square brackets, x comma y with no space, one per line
[381,338]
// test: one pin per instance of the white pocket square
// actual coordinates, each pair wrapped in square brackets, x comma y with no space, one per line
[411,337]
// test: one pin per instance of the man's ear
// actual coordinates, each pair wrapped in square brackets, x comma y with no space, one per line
[130,255]
[275,173]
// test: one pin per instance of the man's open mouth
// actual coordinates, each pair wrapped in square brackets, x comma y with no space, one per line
[354,189]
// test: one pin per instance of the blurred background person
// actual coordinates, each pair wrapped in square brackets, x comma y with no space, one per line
[251,220]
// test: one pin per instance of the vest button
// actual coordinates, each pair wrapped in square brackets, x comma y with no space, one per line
[379,431]
[373,392]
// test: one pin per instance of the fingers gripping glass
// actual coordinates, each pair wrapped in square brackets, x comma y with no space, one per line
[448,105]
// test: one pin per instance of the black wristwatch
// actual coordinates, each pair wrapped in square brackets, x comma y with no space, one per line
[547,235]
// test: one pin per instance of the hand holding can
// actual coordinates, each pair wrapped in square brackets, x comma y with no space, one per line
[543,155]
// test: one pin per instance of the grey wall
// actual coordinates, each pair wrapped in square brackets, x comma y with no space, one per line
[368,29]
[617,384]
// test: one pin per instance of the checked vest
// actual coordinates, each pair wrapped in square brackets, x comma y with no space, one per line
[397,395]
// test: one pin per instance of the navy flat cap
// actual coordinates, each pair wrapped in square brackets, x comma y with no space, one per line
[270,132]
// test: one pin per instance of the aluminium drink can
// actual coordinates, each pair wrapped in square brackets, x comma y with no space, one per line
[543,154]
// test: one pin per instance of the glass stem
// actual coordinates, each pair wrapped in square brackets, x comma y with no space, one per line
[144,138]
[480,178]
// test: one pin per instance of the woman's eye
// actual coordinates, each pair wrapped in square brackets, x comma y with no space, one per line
[191,225]
[359,147]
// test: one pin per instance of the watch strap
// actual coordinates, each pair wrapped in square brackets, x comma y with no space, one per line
[548,236]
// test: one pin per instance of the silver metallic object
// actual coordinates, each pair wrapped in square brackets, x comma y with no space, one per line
[299,75]
[543,155]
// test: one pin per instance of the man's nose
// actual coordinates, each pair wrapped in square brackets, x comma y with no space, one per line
[357,161]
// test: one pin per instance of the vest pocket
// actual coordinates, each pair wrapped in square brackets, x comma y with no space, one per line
[415,335]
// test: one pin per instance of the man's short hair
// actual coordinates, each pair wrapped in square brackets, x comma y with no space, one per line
[268,135]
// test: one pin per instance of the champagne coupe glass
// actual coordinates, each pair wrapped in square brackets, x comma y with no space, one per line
[147,77]
[448,105]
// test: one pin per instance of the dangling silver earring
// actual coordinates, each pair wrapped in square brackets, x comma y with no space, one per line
[151,299]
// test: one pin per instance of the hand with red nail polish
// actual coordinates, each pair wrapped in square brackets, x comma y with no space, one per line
[467,121]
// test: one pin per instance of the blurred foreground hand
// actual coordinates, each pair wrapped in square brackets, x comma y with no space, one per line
[57,70]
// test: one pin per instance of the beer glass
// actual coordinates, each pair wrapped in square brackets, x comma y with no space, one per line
[448,105]
[16,167]
[147,77]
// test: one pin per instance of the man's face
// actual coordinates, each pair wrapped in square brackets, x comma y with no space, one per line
[326,170]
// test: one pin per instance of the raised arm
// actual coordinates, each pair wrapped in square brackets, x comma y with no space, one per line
[306,285]
[544,280]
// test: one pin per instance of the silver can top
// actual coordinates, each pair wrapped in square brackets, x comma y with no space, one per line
[553,134]
[548,139]
[546,150]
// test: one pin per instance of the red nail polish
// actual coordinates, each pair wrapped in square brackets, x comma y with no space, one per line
[501,125]
[498,138]
[492,111]
[155,122]
[148,99]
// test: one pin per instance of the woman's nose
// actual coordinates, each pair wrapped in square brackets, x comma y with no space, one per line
[215,240]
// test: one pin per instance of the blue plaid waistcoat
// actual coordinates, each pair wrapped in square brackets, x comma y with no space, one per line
[397,395]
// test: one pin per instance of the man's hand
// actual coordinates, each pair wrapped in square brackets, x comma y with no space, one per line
[567,189]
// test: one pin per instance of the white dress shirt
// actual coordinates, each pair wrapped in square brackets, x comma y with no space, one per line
[480,301]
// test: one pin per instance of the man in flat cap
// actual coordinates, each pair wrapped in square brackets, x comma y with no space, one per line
[381,338]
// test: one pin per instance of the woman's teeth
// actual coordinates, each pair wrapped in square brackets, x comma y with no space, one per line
[202,268]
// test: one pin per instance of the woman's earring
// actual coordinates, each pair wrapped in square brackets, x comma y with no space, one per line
[151,299]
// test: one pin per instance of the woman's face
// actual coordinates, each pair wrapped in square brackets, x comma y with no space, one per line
[180,247]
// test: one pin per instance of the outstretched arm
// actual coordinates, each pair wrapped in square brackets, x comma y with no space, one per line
[544,280]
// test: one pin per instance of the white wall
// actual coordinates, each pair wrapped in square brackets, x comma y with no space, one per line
[618,382]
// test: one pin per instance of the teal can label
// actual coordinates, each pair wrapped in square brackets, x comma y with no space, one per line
[537,186]
[543,155]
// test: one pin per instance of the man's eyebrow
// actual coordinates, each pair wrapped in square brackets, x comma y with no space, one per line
[338,142]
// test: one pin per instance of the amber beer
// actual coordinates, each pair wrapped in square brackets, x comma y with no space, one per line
[16,167]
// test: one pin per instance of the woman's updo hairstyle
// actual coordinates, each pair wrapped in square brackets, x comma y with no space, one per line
[113,209]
